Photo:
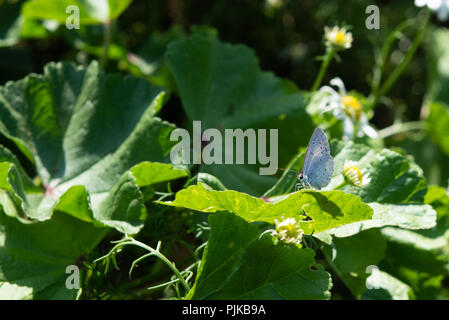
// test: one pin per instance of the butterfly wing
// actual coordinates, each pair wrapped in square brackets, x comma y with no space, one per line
[318,166]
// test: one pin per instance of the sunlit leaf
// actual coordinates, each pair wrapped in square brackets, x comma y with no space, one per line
[62,121]
[239,265]
[326,210]
[90,11]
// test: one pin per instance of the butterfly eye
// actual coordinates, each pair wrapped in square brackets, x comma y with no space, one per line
[300,176]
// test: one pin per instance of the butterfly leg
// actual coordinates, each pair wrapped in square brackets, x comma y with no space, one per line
[309,186]
[300,185]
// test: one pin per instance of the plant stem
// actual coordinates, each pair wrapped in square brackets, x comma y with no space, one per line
[401,128]
[106,42]
[391,80]
[328,259]
[382,58]
[341,185]
[327,59]
[152,252]
[163,259]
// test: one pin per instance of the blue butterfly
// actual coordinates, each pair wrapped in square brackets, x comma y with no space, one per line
[318,166]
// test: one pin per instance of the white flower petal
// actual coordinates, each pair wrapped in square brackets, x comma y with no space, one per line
[329,90]
[348,128]
[440,7]
[434,4]
[420,3]
[369,131]
[337,82]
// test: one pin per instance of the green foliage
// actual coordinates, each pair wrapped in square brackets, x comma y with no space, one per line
[222,85]
[239,265]
[88,171]
[438,66]
[438,123]
[90,11]
[56,123]
[11,23]
[385,287]
[395,195]
[421,257]
[350,257]
[325,210]
[85,153]
[394,178]
[34,256]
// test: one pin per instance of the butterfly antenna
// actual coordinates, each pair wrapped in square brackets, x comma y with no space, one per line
[292,170]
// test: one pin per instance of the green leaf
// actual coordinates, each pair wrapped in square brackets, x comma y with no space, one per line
[90,11]
[62,121]
[397,185]
[210,182]
[407,216]
[395,182]
[92,165]
[438,198]
[240,177]
[8,157]
[12,189]
[437,95]
[37,29]
[11,23]
[396,195]
[227,270]
[438,66]
[350,257]
[149,57]
[421,257]
[148,173]
[34,257]
[438,124]
[429,156]
[394,178]
[326,210]
[223,86]
[383,286]
[199,198]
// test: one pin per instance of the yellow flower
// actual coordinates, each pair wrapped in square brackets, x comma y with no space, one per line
[347,108]
[288,231]
[354,175]
[338,37]
[352,107]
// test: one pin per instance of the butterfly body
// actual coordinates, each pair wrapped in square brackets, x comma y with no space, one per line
[318,165]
